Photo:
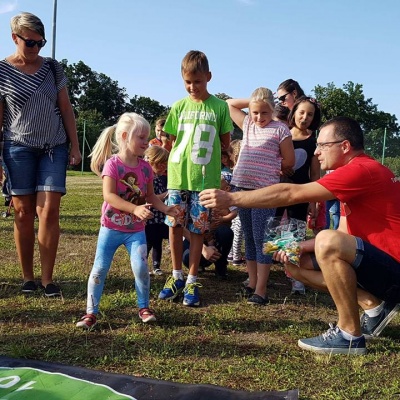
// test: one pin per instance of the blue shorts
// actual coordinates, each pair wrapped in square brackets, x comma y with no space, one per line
[192,215]
[377,272]
[30,170]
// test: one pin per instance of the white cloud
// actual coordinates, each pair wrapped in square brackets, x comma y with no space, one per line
[7,6]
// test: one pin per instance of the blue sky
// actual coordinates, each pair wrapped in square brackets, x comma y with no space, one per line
[249,43]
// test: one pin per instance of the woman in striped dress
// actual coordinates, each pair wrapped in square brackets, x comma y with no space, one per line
[40,139]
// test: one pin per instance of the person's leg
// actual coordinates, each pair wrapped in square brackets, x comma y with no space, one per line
[328,204]
[224,238]
[264,261]
[335,210]
[20,166]
[48,211]
[135,243]
[107,244]
[250,250]
[24,233]
[51,185]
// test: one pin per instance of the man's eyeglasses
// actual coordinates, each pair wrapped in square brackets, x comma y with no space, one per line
[32,43]
[325,145]
[282,98]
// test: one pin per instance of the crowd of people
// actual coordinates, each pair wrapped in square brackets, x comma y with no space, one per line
[205,194]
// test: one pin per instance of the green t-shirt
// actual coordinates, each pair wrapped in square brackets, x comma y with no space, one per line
[195,159]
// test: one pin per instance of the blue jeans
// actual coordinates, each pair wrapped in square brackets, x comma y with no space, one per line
[107,244]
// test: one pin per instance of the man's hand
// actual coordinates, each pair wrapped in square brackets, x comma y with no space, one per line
[215,198]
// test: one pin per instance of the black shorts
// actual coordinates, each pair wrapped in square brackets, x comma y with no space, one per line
[377,272]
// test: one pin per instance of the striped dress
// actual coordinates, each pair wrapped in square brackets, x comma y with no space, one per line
[31,116]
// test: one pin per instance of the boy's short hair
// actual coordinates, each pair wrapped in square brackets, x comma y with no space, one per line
[195,61]
[161,121]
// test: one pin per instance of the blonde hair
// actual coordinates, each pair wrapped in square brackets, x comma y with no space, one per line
[195,61]
[111,140]
[235,147]
[156,155]
[27,21]
[263,95]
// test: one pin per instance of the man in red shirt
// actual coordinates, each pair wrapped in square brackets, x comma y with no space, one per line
[359,264]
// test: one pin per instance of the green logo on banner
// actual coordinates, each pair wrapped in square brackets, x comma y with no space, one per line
[36,384]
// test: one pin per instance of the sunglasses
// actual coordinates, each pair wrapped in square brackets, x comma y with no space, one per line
[32,43]
[282,98]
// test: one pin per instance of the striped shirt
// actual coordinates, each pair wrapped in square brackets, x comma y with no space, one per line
[259,162]
[31,116]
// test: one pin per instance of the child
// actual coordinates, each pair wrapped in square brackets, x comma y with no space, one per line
[128,194]
[235,255]
[303,119]
[218,240]
[266,149]
[156,230]
[199,126]
[161,138]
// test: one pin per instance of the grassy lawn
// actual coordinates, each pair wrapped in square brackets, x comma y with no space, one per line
[224,342]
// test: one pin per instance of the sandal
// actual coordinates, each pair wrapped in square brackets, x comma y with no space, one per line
[147,315]
[88,321]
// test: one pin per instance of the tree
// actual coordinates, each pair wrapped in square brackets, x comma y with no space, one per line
[90,90]
[350,101]
[148,108]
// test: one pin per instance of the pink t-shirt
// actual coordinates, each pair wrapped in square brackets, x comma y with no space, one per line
[131,186]
[370,196]
[259,162]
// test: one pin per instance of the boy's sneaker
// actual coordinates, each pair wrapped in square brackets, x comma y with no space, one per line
[147,315]
[298,287]
[257,300]
[29,287]
[373,326]
[333,342]
[241,261]
[172,288]
[52,290]
[191,294]
[88,321]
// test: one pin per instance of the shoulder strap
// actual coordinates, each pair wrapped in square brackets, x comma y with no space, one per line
[53,69]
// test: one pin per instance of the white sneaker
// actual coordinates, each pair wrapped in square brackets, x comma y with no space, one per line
[298,287]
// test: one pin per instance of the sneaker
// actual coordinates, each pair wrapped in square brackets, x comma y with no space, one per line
[241,261]
[29,287]
[88,321]
[373,326]
[157,271]
[52,290]
[191,294]
[230,258]
[147,315]
[257,300]
[298,287]
[333,342]
[172,289]
[246,282]
[245,292]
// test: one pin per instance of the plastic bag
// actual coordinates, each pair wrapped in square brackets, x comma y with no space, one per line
[285,234]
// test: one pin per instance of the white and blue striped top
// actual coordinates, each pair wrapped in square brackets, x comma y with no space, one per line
[31,116]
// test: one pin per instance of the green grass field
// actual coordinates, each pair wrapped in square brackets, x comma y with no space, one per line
[225,342]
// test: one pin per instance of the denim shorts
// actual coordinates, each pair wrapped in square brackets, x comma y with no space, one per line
[377,272]
[30,170]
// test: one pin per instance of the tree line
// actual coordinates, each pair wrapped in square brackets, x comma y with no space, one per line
[98,101]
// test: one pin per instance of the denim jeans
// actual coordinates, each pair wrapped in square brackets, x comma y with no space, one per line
[107,244]
[332,207]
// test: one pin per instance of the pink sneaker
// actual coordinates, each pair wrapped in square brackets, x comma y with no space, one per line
[88,321]
[147,315]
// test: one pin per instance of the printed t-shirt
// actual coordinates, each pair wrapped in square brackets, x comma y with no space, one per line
[195,159]
[370,196]
[131,186]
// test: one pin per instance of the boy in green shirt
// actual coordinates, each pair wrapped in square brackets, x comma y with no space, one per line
[199,125]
